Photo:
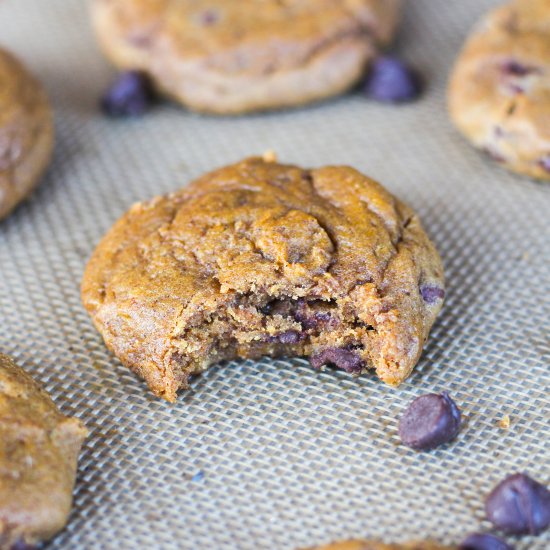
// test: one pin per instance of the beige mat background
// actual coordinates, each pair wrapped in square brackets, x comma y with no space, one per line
[289,457]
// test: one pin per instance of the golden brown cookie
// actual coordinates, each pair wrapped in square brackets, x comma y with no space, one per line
[369,545]
[26,132]
[229,56]
[499,94]
[38,452]
[259,258]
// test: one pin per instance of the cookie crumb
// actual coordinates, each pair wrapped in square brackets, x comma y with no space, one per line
[504,422]
[270,156]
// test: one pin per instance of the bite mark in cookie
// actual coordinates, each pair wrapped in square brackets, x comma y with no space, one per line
[260,258]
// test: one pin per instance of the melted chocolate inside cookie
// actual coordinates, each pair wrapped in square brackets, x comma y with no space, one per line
[263,259]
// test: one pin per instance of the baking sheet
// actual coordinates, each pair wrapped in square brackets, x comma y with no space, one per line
[271,454]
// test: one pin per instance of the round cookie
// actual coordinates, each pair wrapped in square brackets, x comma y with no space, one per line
[499,91]
[26,132]
[260,258]
[39,447]
[228,56]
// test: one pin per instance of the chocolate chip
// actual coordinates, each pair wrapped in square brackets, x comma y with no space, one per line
[285,308]
[544,163]
[311,319]
[130,95]
[514,74]
[390,80]
[209,17]
[515,68]
[287,337]
[519,505]
[22,545]
[344,359]
[432,294]
[483,541]
[430,421]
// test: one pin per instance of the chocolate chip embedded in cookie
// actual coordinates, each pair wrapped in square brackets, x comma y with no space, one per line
[26,132]
[234,57]
[498,94]
[38,452]
[259,258]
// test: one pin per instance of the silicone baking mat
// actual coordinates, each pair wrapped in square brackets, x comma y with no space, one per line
[271,454]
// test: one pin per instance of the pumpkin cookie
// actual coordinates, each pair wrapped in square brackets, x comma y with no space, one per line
[38,451]
[26,132]
[228,57]
[259,258]
[499,94]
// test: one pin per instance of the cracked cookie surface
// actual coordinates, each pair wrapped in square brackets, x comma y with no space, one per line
[499,93]
[39,447]
[235,56]
[26,132]
[260,258]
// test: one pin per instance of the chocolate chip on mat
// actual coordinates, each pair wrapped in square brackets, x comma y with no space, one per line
[22,545]
[130,95]
[519,505]
[483,541]
[429,421]
[390,80]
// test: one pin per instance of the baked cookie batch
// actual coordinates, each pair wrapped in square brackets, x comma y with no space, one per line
[261,258]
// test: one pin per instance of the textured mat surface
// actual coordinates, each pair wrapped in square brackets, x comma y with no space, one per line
[270,454]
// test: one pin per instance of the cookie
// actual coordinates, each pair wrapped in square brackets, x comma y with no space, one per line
[259,258]
[498,93]
[26,132]
[233,57]
[369,545]
[38,453]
